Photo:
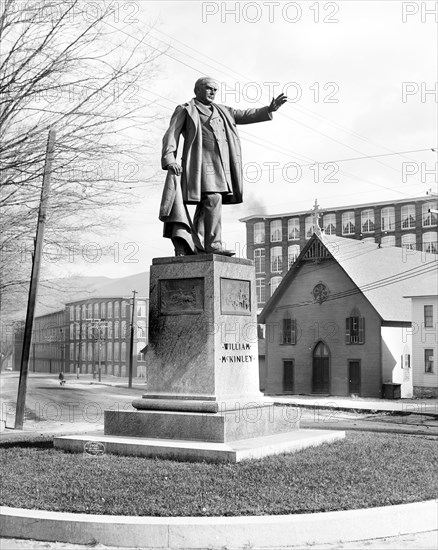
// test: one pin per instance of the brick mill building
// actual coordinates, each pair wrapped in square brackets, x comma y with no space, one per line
[88,332]
[275,241]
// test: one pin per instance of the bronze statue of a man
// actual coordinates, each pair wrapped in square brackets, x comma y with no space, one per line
[210,173]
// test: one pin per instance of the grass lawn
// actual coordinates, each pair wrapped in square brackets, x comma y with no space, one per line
[364,470]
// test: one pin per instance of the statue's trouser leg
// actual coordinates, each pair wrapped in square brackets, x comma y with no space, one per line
[207,221]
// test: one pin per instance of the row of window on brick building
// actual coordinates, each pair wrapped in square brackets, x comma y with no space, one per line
[348,223]
[104,310]
[108,331]
[429,243]
[109,351]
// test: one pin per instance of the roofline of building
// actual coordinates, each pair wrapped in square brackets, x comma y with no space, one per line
[290,275]
[336,208]
[47,314]
[425,295]
[106,297]
[86,299]
[407,323]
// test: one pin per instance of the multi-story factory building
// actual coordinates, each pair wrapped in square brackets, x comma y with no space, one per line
[87,336]
[274,241]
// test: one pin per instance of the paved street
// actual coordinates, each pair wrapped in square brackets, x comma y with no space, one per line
[78,406]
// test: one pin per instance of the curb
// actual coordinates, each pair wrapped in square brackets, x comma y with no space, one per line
[364,410]
[378,430]
[219,532]
[117,385]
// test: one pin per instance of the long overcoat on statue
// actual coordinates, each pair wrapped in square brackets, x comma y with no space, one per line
[186,121]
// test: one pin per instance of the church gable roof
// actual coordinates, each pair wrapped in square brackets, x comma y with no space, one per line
[383,275]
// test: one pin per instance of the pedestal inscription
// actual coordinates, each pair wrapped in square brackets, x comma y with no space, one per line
[238,353]
[235,297]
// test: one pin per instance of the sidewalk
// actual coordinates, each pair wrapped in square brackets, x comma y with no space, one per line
[416,541]
[106,380]
[71,378]
[427,407]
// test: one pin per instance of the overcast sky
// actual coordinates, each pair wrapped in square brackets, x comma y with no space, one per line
[357,74]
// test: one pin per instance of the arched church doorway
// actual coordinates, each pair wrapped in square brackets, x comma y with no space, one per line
[321,369]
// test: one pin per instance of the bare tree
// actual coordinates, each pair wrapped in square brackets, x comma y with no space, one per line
[75,66]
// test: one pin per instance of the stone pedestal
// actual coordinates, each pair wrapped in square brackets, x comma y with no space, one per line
[202,371]
[202,368]
[202,349]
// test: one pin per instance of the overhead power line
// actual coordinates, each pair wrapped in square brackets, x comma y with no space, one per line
[373,157]
[281,113]
[337,161]
[429,267]
[299,108]
[286,152]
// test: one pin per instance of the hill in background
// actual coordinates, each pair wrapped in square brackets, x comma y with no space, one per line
[55,293]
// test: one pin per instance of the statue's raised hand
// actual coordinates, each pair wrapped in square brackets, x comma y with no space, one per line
[277,102]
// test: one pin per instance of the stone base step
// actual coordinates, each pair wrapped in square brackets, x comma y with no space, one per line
[231,425]
[234,451]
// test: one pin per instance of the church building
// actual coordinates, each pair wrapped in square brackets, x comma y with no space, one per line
[338,324]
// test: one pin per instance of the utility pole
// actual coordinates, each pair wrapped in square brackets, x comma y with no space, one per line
[131,342]
[62,349]
[78,368]
[33,289]
[98,324]
[100,357]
